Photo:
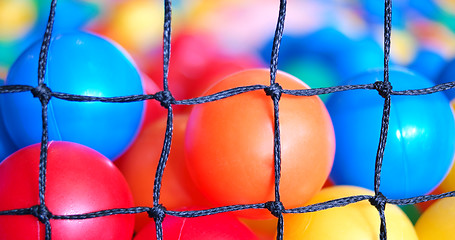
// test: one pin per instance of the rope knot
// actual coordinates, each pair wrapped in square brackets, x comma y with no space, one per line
[379,201]
[274,90]
[42,92]
[158,212]
[42,213]
[165,98]
[384,88]
[276,208]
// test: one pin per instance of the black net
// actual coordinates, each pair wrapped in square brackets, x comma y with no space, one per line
[158,212]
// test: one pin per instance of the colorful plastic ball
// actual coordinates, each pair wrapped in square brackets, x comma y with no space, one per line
[7,146]
[139,165]
[83,64]
[79,180]
[354,221]
[229,144]
[421,136]
[447,75]
[437,221]
[222,226]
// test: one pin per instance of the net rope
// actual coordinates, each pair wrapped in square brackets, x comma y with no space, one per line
[158,212]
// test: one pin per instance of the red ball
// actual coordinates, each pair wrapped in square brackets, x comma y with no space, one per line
[79,180]
[222,226]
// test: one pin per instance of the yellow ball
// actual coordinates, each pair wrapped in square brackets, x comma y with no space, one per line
[438,221]
[17,17]
[355,221]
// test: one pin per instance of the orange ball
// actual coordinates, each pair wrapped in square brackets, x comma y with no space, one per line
[139,163]
[229,144]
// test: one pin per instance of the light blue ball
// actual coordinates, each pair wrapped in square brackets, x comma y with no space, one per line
[420,143]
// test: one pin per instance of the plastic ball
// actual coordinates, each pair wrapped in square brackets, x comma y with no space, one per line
[421,136]
[83,64]
[7,146]
[139,163]
[354,221]
[437,221]
[79,180]
[229,144]
[218,226]
[447,75]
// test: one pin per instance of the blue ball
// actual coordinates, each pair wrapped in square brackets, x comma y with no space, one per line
[7,146]
[447,74]
[420,142]
[83,64]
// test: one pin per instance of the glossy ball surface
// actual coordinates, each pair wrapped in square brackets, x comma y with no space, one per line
[229,144]
[83,64]
[79,180]
[420,143]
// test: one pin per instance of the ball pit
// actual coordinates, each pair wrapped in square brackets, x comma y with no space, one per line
[422,39]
